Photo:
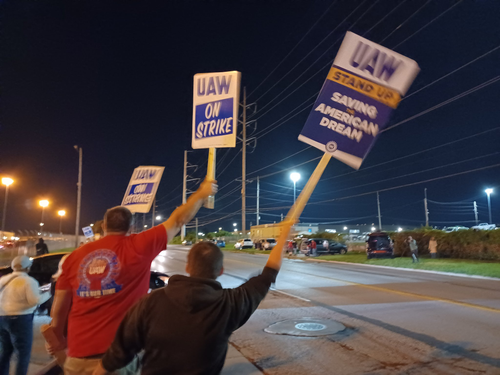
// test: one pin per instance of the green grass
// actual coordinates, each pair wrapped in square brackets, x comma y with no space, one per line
[469,267]
[65,250]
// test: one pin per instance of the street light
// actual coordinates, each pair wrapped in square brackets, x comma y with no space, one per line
[61,213]
[158,217]
[345,228]
[400,229]
[43,203]
[294,176]
[234,224]
[220,228]
[488,193]
[7,182]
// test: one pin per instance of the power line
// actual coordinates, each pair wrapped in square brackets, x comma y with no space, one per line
[279,161]
[428,23]
[293,49]
[383,18]
[408,19]
[442,104]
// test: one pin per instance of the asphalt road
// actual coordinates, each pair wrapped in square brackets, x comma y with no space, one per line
[397,321]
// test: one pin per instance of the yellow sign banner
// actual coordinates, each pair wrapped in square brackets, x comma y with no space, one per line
[380,93]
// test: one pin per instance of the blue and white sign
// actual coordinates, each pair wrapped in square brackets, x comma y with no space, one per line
[357,98]
[142,188]
[215,109]
[88,232]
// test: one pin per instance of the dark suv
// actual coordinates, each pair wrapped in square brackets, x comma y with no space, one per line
[333,246]
[379,245]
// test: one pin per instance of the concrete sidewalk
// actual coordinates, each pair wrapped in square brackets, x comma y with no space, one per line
[236,363]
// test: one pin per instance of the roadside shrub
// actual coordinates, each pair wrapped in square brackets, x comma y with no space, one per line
[464,244]
[327,236]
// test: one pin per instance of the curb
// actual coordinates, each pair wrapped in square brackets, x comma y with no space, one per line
[407,269]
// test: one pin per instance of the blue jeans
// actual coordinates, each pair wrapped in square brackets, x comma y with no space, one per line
[16,333]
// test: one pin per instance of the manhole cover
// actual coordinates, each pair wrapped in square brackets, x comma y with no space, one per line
[305,327]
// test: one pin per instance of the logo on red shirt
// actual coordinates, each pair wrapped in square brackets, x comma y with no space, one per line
[97,274]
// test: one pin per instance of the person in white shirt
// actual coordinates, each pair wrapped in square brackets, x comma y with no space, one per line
[19,297]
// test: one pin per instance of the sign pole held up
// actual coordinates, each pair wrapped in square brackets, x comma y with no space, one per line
[210,202]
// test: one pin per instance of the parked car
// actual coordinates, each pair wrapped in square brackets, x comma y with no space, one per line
[454,229]
[334,247]
[221,243]
[484,226]
[187,243]
[246,243]
[379,245]
[44,266]
[267,244]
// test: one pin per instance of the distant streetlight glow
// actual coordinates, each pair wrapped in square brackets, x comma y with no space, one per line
[200,234]
[220,228]
[41,224]
[234,224]
[7,181]
[294,176]
[145,226]
[400,229]
[158,217]
[235,229]
[61,213]
[345,228]
[44,203]
[374,229]
[488,192]
[91,225]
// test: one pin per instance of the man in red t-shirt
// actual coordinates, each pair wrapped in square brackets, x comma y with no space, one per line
[103,279]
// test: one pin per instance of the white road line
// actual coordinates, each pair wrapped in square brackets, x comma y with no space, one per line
[291,295]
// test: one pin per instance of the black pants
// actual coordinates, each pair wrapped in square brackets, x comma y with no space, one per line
[16,333]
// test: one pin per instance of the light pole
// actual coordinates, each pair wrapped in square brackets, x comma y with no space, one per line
[488,193]
[61,213]
[79,193]
[7,182]
[294,177]
[43,203]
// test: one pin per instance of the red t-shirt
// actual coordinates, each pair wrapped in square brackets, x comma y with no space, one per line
[106,278]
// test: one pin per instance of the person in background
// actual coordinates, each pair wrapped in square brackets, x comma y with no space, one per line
[185,327]
[41,247]
[19,297]
[413,248]
[313,247]
[325,245]
[433,247]
[290,247]
[103,279]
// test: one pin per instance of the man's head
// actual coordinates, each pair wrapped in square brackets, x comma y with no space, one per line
[410,238]
[40,240]
[117,220]
[21,263]
[205,261]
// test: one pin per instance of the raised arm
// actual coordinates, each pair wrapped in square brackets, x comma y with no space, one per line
[183,214]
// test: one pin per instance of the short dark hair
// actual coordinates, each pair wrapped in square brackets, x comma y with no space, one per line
[205,260]
[118,219]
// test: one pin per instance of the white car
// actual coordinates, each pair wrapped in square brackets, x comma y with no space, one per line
[484,226]
[246,243]
[456,228]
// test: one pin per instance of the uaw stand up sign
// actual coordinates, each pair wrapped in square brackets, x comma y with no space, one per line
[364,85]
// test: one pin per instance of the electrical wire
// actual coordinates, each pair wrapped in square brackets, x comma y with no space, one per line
[442,104]
[293,49]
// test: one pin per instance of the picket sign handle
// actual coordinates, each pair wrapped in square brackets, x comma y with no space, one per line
[305,194]
[210,202]
[302,200]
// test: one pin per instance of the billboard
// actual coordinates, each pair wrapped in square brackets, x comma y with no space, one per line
[215,109]
[142,188]
[351,110]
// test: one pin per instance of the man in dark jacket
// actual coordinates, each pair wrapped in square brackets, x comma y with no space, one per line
[184,328]
[41,247]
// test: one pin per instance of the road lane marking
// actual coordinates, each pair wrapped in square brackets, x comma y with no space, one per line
[409,294]
[290,295]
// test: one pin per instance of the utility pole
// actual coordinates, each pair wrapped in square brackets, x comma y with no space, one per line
[196,221]
[79,194]
[258,199]
[425,207]
[281,217]
[379,217]
[475,213]
[154,215]
[243,162]
[184,180]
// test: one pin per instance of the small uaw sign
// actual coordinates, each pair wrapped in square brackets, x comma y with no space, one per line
[142,188]
[364,85]
[88,232]
[215,109]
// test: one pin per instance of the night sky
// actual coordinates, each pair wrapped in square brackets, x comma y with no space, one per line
[115,77]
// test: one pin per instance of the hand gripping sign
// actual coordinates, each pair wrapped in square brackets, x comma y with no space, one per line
[216,100]
[364,85]
[142,188]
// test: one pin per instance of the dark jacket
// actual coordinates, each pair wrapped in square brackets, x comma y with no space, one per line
[41,248]
[184,328]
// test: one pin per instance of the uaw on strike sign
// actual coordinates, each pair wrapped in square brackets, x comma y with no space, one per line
[142,188]
[364,85]
[215,109]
